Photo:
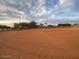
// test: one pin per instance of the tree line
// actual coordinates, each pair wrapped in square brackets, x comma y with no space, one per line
[32,24]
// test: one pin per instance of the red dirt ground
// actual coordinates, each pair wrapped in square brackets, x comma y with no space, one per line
[58,43]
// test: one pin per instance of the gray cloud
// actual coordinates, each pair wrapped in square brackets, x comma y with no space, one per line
[36,10]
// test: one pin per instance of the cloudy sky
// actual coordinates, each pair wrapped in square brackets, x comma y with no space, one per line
[50,11]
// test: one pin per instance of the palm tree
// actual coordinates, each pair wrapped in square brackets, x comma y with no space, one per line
[45,24]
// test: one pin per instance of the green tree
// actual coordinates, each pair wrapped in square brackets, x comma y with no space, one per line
[32,24]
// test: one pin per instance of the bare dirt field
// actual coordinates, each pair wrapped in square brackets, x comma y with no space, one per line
[58,43]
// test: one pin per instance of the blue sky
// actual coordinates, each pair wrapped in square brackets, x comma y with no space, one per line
[50,11]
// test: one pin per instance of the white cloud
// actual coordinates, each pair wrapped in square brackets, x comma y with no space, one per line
[69,3]
[10,22]
[3,8]
[36,9]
